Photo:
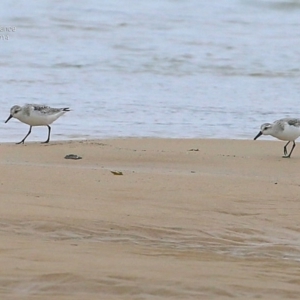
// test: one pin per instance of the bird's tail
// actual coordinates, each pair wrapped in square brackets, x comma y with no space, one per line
[66,109]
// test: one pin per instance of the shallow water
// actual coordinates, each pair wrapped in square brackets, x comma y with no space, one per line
[156,68]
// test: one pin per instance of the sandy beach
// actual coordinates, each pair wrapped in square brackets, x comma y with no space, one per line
[188,219]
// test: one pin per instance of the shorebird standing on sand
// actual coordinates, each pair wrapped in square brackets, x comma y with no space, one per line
[287,129]
[36,115]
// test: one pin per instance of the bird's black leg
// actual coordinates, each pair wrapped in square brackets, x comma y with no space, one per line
[288,156]
[22,142]
[285,150]
[48,139]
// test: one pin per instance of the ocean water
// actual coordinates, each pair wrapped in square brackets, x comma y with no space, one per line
[160,68]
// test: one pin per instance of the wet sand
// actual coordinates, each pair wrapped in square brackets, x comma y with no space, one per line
[188,219]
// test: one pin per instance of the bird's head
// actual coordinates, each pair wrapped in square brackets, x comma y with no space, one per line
[14,111]
[265,129]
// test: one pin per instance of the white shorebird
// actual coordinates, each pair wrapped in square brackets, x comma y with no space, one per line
[287,129]
[36,115]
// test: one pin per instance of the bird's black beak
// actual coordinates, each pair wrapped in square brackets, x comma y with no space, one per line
[10,116]
[258,135]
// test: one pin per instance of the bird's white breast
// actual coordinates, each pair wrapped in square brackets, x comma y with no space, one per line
[289,133]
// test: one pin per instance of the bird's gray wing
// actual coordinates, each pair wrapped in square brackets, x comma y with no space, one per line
[293,122]
[44,109]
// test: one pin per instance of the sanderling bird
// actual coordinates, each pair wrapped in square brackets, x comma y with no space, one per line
[36,115]
[287,129]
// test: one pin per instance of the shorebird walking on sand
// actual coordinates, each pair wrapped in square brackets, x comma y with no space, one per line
[287,129]
[36,115]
